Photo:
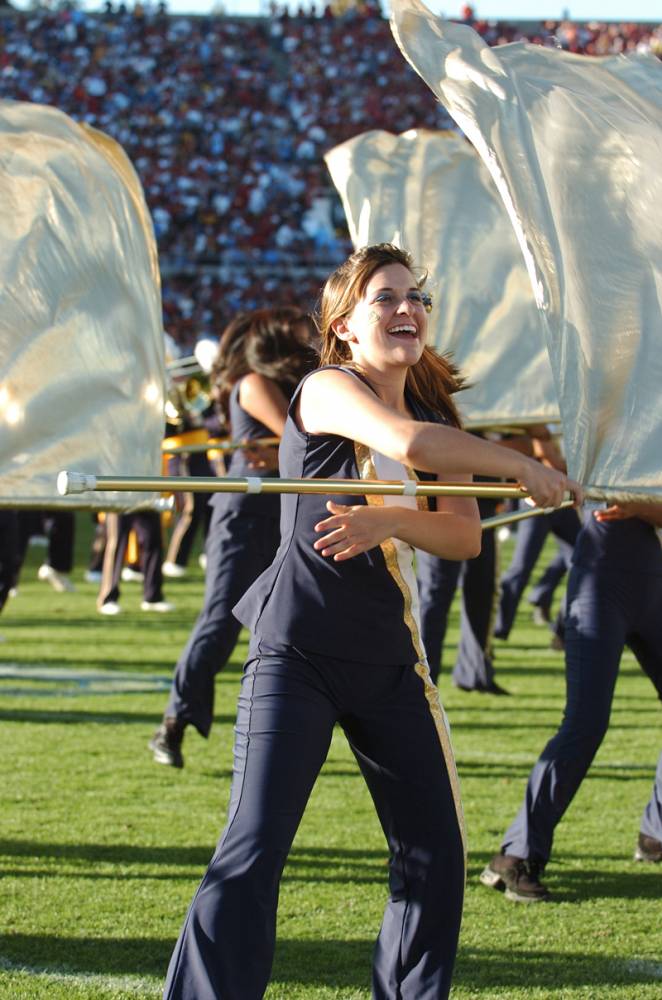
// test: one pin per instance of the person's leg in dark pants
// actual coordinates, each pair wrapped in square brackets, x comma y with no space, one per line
[437,583]
[147,526]
[239,548]
[530,539]
[474,669]
[61,540]
[596,629]
[284,725]
[413,784]
[8,552]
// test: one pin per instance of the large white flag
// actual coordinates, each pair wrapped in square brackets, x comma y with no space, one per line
[430,193]
[82,373]
[574,145]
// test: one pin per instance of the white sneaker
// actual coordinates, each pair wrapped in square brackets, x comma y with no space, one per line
[58,581]
[13,592]
[161,606]
[132,575]
[173,570]
[202,561]
[93,576]
[109,608]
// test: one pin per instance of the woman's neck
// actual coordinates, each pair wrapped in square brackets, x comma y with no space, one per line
[389,385]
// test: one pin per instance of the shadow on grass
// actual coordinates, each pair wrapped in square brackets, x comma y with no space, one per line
[63,715]
[335,963]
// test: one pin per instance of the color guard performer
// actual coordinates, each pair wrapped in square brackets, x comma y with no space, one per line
[335,639]
[262,356]
[614,599]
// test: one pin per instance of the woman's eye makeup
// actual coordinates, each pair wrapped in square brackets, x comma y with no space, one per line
[414,296]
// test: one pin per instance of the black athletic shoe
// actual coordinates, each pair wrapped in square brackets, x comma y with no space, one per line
[519,878]
[648,849]
[541,615]
[491,688]
[166,743]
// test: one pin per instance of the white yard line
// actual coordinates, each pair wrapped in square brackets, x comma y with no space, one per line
[87,681]
[136,985]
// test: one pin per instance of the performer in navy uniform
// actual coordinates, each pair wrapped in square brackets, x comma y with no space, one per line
[614,599]
[262,356]
[335,639]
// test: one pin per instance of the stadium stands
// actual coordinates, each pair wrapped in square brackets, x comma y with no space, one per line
[226,120]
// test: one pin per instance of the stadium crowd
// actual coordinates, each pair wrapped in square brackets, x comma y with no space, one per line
[226,120]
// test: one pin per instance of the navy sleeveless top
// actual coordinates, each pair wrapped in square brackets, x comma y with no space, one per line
[245,428]
[364,609]
[629,546]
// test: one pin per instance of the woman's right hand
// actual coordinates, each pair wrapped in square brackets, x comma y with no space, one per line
[548,486]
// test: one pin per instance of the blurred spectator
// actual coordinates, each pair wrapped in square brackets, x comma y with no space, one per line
[226,120]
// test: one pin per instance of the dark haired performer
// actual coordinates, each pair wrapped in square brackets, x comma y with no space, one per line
[335,639]
[262,356]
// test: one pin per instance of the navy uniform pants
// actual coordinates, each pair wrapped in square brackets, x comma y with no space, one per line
[607,609]
[530,539]
[239,548]
[438,580]
[8,552]
[288,706]
[147,526]
[59,527]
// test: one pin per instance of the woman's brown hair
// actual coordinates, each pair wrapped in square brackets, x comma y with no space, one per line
[433,379]
[276,343]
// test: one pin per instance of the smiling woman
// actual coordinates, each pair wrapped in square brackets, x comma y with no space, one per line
[336,639]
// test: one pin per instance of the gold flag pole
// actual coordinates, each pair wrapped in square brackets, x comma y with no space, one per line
[500,520]
[80,482]
[211,445]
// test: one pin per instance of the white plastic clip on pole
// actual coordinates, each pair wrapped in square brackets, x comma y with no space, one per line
[75,482]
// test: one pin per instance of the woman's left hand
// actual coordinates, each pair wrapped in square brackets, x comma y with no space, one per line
[352,530]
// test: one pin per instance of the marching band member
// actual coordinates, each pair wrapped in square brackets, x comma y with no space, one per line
[262,356]
[335,639]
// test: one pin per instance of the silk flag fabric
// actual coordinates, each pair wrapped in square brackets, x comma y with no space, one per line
[82,373]
[429,193]
[574,145]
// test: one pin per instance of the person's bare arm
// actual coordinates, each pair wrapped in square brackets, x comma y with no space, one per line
[451,532]
[333,402]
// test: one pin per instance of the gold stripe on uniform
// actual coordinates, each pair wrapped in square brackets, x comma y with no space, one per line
[367,470]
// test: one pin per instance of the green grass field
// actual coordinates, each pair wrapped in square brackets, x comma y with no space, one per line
[101,849]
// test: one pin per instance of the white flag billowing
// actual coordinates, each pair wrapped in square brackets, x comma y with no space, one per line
[574,145]
[429,193]
[82,372]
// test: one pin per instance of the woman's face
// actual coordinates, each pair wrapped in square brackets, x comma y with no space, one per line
[388,325]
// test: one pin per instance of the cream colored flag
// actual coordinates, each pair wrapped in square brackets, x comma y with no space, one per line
[574,145]
[82,373]
[430,193]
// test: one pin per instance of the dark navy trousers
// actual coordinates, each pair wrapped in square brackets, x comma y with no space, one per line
[438,580]
[288,706]
[147,526]
[8,552]
[530,539]
[607,609]
[239,547]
